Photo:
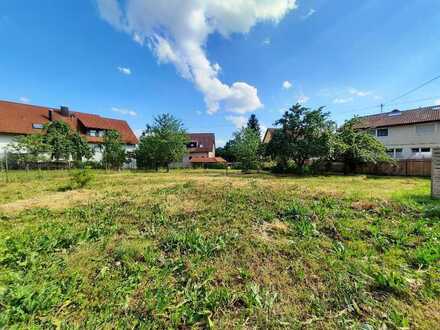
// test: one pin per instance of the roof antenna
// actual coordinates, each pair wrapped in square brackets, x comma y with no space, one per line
[381,107]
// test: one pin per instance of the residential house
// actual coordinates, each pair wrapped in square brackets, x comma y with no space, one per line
[409,134]
[20,119]
[201,150]
[268,135]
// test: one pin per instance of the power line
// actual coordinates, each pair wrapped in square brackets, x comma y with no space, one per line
[415,89]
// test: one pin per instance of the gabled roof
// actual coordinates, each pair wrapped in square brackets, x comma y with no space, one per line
[18,118]
[205,142]
[268,134]
[397,117]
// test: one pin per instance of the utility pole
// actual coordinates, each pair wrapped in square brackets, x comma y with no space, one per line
[381,107]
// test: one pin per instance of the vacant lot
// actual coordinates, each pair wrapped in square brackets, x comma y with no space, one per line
[200,249]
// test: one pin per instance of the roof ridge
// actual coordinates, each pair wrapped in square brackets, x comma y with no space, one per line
[29,105]
[431,107]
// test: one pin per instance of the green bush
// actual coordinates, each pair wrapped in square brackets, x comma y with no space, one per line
[80,178]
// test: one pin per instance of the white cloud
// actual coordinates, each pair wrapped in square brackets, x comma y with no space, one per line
[356,92]
[303,99]
[342,100]
[266,42]
[238,121]
[437,102]
[287,84]
[177,32]
[311,12]
[24,99]
[124,112]
[199,112]
[125,71]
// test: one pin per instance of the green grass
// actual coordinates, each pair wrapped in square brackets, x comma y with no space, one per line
[198,249]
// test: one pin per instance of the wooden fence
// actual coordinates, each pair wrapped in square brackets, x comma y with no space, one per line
[406,167]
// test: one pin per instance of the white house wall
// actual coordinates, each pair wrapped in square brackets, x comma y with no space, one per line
[407,137]
[5,141]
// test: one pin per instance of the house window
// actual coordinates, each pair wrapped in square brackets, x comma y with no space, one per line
[192,144]
[399,153]
[415,150]
[92,132]
[382,132]
[390,152]
[425,149]
[425,129]
[37,126]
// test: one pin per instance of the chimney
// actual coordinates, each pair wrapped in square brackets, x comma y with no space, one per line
[64,111]
[50,114]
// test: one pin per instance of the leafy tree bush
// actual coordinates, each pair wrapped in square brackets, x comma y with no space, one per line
[254,124]
[79,148]
[226,152]
[80,178]
[114,154]
[162,143]
[246,149]
[57,136]
[353,146]
[304,134]
[30,148]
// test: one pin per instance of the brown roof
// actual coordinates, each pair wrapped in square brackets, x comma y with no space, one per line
[397,117]
[205,142]
[268,135]
[18,118]
[207,160]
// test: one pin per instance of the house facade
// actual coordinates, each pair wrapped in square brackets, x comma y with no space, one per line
[409,134]
[22,119]
[201,150]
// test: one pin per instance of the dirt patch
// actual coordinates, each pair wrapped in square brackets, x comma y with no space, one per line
[55,201]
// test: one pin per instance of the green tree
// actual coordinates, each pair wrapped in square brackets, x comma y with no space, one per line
[254,124]
[353,146]
[162,143]
[57,136]
[79,148]
[30,148]
[226,152]
[246,149]
[304,134]
[113,155]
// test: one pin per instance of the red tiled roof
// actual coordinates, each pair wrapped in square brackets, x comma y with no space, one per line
[18,118]
[205,142]
[207,160]
[396,117]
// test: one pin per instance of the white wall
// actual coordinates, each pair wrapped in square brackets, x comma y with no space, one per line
[407,137]
[5,140]
[97,157]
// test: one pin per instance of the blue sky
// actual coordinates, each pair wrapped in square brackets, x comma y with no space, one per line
[212,64]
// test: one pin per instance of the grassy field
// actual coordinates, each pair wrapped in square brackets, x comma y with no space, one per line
[196,249]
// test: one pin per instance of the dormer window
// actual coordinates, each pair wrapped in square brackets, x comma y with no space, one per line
[394,113]
[192,144]
[37,126]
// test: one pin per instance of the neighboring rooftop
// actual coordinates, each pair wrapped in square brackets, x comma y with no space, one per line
[18,118]
[202,142]
[397,117]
